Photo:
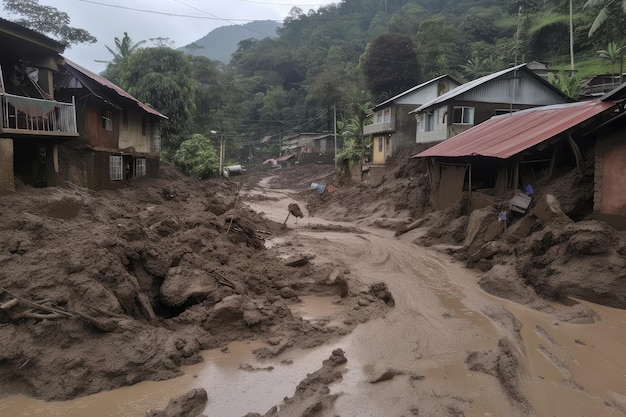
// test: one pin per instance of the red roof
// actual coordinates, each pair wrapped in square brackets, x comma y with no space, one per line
[507,135]
[108,84]
[286,157]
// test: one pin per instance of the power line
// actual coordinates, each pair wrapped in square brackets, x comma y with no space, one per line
[220,18]
[116,6]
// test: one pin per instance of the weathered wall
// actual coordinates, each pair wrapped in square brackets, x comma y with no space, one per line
[7,181]
[610,172]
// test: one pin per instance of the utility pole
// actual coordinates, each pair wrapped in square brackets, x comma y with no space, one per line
[571,34]
[335,123]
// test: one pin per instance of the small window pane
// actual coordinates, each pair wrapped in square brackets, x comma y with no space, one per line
[140,167]
[115,168]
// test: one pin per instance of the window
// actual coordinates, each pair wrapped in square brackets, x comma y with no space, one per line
[383,116]
[380,144]
[107,120]
[140,167]
[463,115]
[427,122]
[116,165]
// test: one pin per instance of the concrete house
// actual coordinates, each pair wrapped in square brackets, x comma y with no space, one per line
[33,120]
[119,135]
[392,126]
[507,152]
[472,103]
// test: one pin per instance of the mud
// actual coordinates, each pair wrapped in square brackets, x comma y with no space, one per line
[117,287]
[448,313]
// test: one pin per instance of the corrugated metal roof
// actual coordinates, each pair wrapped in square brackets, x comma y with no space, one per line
[469,86]
[507,135]
[79,71]
[410,90]
[286,157]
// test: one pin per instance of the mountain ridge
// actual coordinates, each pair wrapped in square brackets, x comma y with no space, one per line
[220,43]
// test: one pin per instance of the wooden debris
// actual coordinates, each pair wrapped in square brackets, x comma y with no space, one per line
[9,304]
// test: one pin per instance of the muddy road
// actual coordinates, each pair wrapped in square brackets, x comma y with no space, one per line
[452,348]
[446,347]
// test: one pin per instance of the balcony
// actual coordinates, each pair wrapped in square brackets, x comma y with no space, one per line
[36,117]
[378,128]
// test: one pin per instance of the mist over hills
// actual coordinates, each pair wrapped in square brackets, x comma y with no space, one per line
[220,43]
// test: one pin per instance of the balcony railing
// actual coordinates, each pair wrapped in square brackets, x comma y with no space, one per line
[378,128]
[32,116]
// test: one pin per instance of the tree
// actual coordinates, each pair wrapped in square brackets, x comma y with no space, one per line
[390,65]
[197,157]
[48,20]
[608,8]
[615,56]
[438,46]
[124,48]
[569,83]
[162,78]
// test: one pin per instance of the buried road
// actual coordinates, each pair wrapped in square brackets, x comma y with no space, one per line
[446,348]
[449,347]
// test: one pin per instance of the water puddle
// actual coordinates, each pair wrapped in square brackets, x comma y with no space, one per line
[316,308]
[236,382]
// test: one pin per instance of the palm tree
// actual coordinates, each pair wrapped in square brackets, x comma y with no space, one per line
[606,7]
[125,47]
[614,55]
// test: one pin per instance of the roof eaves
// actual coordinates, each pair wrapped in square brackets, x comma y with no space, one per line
[91,77]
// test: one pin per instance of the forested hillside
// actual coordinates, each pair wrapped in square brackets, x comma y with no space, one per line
[220,43]
[353,54]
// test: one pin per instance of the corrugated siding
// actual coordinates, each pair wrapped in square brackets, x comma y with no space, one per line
[515,90]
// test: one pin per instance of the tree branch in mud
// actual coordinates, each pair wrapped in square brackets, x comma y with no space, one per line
[53,313]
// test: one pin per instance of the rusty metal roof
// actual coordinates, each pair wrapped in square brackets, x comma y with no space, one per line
[81,73]
[507,135]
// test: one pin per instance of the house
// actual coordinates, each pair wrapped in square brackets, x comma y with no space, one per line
[120,134]
[310,147]
[507,152]
[599,85]
[472,103]
[393,127]
[61,122]
[609,197]
[34,122]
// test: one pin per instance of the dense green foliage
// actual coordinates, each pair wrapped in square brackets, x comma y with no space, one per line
[162,78]
[346,55]
[197,157]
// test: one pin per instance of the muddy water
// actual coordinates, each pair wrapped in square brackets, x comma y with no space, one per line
[236,382]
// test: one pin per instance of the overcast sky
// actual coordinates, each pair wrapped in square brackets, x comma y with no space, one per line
[182,21]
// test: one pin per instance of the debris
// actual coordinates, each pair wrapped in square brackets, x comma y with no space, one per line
[386,376]
[298,262]
[294,209]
